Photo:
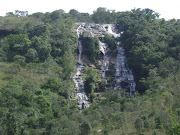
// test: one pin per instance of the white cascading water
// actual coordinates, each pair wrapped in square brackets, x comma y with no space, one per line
[109,27]
[123,75]
[83,101]
[105,61]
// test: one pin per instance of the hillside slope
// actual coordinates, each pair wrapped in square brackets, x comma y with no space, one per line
[38,62]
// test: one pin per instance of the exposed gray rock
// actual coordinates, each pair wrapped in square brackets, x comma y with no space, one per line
[122,78]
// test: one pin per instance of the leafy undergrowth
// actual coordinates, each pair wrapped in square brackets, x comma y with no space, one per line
[12,72]
[146,114]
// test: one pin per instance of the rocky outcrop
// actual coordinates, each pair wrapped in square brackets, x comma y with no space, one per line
[82,98]
[114,68]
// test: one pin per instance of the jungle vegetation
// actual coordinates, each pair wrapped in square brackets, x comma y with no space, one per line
[37,62]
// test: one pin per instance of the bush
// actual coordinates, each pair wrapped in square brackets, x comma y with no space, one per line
[91,48]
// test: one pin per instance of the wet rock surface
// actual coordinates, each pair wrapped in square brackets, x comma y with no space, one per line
[122,76]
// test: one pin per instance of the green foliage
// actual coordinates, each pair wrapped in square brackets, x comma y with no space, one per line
[91,48]
[139,124]
[148,44]
[168,66]
[80,17]
[19,60]
[38,15]
[153,79]
[37,94]
[53,85]
[103,15]
[110,41]
[68,63]
[42,46]
[56,15]
[16,45]
[10,14]
[39,30]
[32,55]
[85,128]
[92,77]
[37,97]
[175,129]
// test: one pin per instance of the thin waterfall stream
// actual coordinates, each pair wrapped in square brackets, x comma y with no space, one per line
[83,101]
[105,61]
[124,78]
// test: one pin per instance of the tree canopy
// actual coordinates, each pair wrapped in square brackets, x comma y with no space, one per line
[38,60]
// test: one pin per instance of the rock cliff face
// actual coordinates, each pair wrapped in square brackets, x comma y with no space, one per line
[113,66]
[81,95]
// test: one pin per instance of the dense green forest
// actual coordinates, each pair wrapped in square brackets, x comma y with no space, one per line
[38,60]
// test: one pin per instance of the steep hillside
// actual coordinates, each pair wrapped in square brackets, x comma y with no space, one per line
[119,75]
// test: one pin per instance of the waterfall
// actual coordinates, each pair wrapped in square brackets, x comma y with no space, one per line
[80,51]
[82,98]
[105,61]
[110,28]
[123,75]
